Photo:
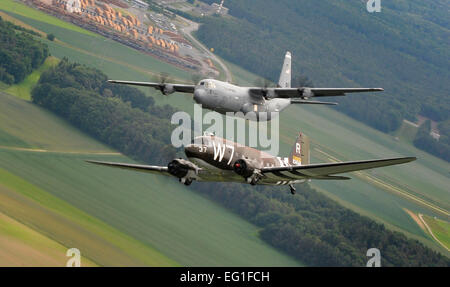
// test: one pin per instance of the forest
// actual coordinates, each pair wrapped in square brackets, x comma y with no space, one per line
[20,53]
[404,50]
[309,226]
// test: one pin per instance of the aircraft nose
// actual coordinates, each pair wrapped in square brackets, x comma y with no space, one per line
[199,95]
[190,150]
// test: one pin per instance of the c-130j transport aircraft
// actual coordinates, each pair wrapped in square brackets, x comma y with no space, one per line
[214,159]
[224,97]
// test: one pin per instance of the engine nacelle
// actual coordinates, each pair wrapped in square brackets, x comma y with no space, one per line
[243,168]
[306,93]
[167,89]
[181,167]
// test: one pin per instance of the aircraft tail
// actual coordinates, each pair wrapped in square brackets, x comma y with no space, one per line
[285,76]
[300,151]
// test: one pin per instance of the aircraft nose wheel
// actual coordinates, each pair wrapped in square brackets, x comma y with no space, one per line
[293,190]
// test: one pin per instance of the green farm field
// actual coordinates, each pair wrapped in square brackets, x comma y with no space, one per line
[23,246]
[440,229]
[382,194]
[114,217]
[21,9]
[23,89]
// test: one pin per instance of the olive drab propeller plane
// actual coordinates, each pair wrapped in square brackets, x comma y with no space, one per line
[214,159]
[224,97]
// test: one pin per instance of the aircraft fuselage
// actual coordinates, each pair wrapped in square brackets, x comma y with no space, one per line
[224,97]
[217,158]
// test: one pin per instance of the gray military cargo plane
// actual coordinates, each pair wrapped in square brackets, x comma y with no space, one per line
[214,159]
[224,97]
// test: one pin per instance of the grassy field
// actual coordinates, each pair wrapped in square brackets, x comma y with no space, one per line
[116,217]
[15,21]
[23,89]
[440,229]
[407,132]
[21,9]
[22,126]
[71,227]
[23,246]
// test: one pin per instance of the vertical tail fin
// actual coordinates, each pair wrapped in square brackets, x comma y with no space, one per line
[285,76]
[300,151]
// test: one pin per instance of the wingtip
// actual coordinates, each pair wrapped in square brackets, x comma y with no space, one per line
[93,161]
[407,159]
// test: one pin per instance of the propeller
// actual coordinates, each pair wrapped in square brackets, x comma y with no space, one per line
[163,87]
[196,78]
[264,84]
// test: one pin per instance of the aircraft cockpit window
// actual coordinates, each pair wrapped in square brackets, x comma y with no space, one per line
[202,83]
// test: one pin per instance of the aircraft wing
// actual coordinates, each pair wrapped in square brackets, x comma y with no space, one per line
[182,88]
[136,167]
[308,92]
[326,170]
[299,101]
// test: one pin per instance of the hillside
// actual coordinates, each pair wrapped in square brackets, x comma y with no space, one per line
[404,49]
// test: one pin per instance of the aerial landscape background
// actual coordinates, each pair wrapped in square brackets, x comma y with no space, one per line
[60,112]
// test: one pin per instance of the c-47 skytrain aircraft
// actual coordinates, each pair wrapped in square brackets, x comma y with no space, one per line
[214,159]
[224,97]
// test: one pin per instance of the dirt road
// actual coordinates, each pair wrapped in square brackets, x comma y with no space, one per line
[194,27]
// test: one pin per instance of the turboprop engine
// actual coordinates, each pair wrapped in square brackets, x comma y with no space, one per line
[166,89]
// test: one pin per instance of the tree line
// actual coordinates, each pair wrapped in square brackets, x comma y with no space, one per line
[20,53]
[308,226]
